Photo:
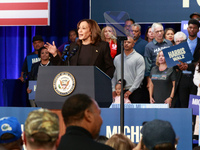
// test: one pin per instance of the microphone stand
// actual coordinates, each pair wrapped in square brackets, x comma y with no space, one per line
[68,61]
[121,39]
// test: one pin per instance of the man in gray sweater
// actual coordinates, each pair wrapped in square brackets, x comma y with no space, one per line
[134,68]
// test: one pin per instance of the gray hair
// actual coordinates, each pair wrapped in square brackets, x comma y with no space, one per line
[179,34]
[136,25]
[155,25]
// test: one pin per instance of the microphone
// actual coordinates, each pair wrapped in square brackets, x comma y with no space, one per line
[112,36]
[74,50]
[72,53]
[66,51]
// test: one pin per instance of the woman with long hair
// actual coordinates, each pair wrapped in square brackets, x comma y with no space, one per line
[109,35]
[149,35]
[89,50]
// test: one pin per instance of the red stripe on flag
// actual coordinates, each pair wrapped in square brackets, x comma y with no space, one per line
[24,6]
[24,21]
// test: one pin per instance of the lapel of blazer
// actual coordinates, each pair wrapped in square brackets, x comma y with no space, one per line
[198,45]
[197,50]
[95,53]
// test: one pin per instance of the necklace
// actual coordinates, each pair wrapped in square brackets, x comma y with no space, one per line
[45,64]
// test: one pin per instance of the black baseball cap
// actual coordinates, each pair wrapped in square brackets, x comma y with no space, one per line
[195,13]
[38,38]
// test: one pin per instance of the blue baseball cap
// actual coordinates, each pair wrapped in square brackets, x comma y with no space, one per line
[12,126]
[157,132]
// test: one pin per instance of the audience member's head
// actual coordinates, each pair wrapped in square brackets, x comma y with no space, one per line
[81,110]
[160,58]
[179,37]
[169,34]
[158,135]
[101,139]
[120,82]
[195,15]
[158,31]
[129,44]
[118,86]
[193,28]
[10,133]
[120,142]
[72,35]
[149,35]
[193,21]
[127,25]
[108,33]
[38,42]
[135,31]
[41,130]
[43,50]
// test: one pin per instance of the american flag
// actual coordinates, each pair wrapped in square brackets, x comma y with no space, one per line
[24,12]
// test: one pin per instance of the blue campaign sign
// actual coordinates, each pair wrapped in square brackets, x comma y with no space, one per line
[146,11]
[178,52]
[32,86]
[184,25]
[135,117]
[194,102]
[31,59]
[133,121]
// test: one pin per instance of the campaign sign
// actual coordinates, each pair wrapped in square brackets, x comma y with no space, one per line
[31,59]
[32,86]
[184,25]
[134,118]
[178,52]
[194,104]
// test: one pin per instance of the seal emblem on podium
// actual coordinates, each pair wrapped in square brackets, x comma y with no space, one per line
[64,83]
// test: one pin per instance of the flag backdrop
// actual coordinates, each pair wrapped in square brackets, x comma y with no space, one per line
[16,41]
[24,12]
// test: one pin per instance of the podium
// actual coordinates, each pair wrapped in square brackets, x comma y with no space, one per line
[89,80]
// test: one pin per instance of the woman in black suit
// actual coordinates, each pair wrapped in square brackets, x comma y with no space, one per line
[89,50]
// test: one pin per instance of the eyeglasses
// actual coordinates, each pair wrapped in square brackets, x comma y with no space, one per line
[158,31]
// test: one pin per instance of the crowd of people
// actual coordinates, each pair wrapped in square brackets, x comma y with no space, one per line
[96,47]
[147,77]
[81,115]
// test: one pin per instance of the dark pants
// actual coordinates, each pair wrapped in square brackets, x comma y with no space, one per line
[185,88]
[141,94]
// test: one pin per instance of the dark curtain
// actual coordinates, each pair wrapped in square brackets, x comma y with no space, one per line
[16,42]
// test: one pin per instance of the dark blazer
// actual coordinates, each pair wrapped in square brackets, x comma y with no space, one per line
[77,138]
[101,58]
[196,56]
[34,70]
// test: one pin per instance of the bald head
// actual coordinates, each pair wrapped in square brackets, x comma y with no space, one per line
[129,44]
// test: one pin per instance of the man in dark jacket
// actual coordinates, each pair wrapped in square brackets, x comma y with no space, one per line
[82,118]
[185,80]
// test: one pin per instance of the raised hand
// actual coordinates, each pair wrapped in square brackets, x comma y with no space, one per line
[51,48]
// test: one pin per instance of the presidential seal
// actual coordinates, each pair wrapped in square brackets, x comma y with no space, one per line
[64,83]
